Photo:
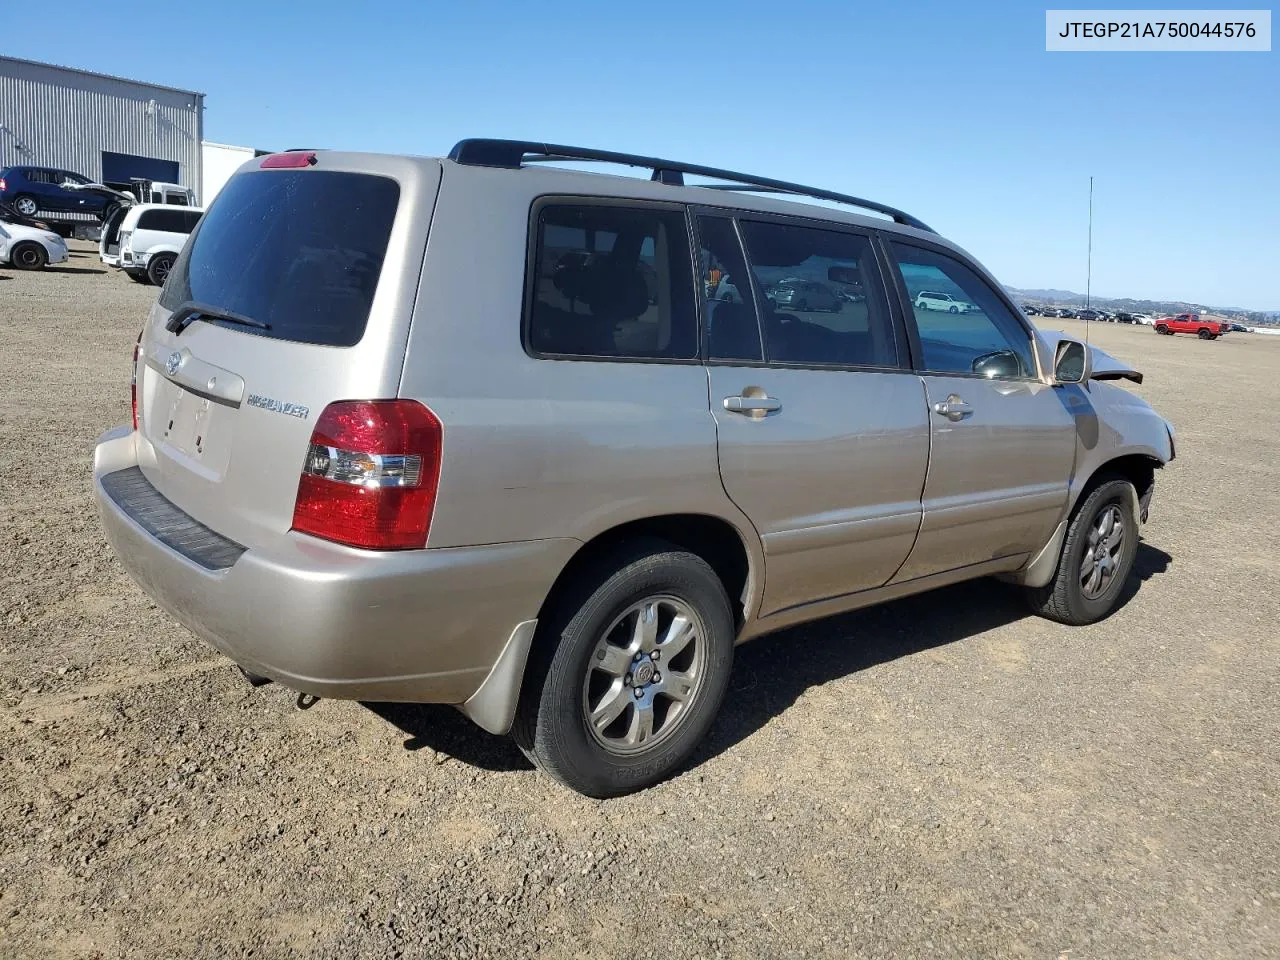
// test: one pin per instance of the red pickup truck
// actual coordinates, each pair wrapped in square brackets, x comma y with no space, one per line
[1191,323]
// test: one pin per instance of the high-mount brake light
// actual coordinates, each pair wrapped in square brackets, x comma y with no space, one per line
[370,475]
[298,158]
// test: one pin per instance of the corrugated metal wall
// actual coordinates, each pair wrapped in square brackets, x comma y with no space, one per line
[64,118]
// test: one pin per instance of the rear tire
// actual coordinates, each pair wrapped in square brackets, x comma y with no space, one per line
[1162,330]
[1095,561]
[28,256]
[583,671]
[159,267]
[26,205]
[1204,334]
[954,310]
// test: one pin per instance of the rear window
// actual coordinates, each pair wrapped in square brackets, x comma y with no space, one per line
[301,250]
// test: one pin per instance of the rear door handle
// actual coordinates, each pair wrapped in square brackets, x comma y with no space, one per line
[749,405]
[953,408]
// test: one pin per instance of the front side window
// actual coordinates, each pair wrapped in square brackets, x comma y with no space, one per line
[964,326]
[612,282]
[823,302]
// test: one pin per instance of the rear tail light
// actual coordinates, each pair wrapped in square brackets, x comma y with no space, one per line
[133,380]
[3,186]
[371,474]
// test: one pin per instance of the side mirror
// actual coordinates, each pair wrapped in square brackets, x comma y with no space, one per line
[848,275]
[1071,363]
[1002,364]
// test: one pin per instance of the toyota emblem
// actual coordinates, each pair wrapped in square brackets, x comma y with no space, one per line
[173,363]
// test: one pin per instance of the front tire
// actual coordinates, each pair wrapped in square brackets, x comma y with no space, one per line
[628,672]
[28,256]
[1097,556]
[137,277]
[955,310]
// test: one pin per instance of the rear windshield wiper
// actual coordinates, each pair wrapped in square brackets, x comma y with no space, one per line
[189,312]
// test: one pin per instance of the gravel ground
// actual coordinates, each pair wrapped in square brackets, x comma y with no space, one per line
[939,777]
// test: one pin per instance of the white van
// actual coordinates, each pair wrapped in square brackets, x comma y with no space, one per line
[151,237]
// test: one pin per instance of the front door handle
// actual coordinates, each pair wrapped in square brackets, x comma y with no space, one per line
[953,408]
[750,405]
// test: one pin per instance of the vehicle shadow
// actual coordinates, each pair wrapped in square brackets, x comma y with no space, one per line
[446,733]
[772,672]
[72,270]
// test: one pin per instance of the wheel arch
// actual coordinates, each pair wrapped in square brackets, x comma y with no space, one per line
[724,547]
[1138,468]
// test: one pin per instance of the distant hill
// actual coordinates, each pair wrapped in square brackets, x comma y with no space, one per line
[1069,298]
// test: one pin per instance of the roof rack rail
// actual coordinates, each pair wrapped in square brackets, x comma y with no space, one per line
[515,153]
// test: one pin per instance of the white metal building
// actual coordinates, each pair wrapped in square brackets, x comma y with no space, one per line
[106,128]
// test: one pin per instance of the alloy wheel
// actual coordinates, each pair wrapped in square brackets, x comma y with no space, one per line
[1102,551]
[645,672]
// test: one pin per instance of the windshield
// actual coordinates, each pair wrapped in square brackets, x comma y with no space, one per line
[300,250]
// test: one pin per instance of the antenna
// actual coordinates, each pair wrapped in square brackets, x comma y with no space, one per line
[1088,281]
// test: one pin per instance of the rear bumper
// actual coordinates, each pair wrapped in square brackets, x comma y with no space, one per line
[420,625]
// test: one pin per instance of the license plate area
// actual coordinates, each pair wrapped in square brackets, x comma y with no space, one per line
[191,430]
[187,423]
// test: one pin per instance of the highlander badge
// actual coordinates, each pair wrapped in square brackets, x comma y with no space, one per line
[173,363]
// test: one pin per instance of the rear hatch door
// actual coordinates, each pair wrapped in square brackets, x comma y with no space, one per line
[304,277]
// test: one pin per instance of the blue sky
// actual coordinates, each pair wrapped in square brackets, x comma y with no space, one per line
[952,111]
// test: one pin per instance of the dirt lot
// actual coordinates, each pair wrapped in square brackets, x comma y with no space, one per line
[940,777]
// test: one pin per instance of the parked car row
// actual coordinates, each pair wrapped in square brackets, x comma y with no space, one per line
[143,224]
[1118,316]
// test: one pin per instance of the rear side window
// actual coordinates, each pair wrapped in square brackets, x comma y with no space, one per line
[733,332]
[301,250]
[611,282]
[824,302]
[169,221]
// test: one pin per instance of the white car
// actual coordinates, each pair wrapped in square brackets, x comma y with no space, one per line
[932,300]
[30,248]
[151,237]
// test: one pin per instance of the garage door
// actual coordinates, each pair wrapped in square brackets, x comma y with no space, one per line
[123,167]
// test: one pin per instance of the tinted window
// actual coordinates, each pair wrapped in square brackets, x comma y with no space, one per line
[170,221]
[823,300]
[301,250]
[612,281]
[963,335]
[37,175]
[733,332]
